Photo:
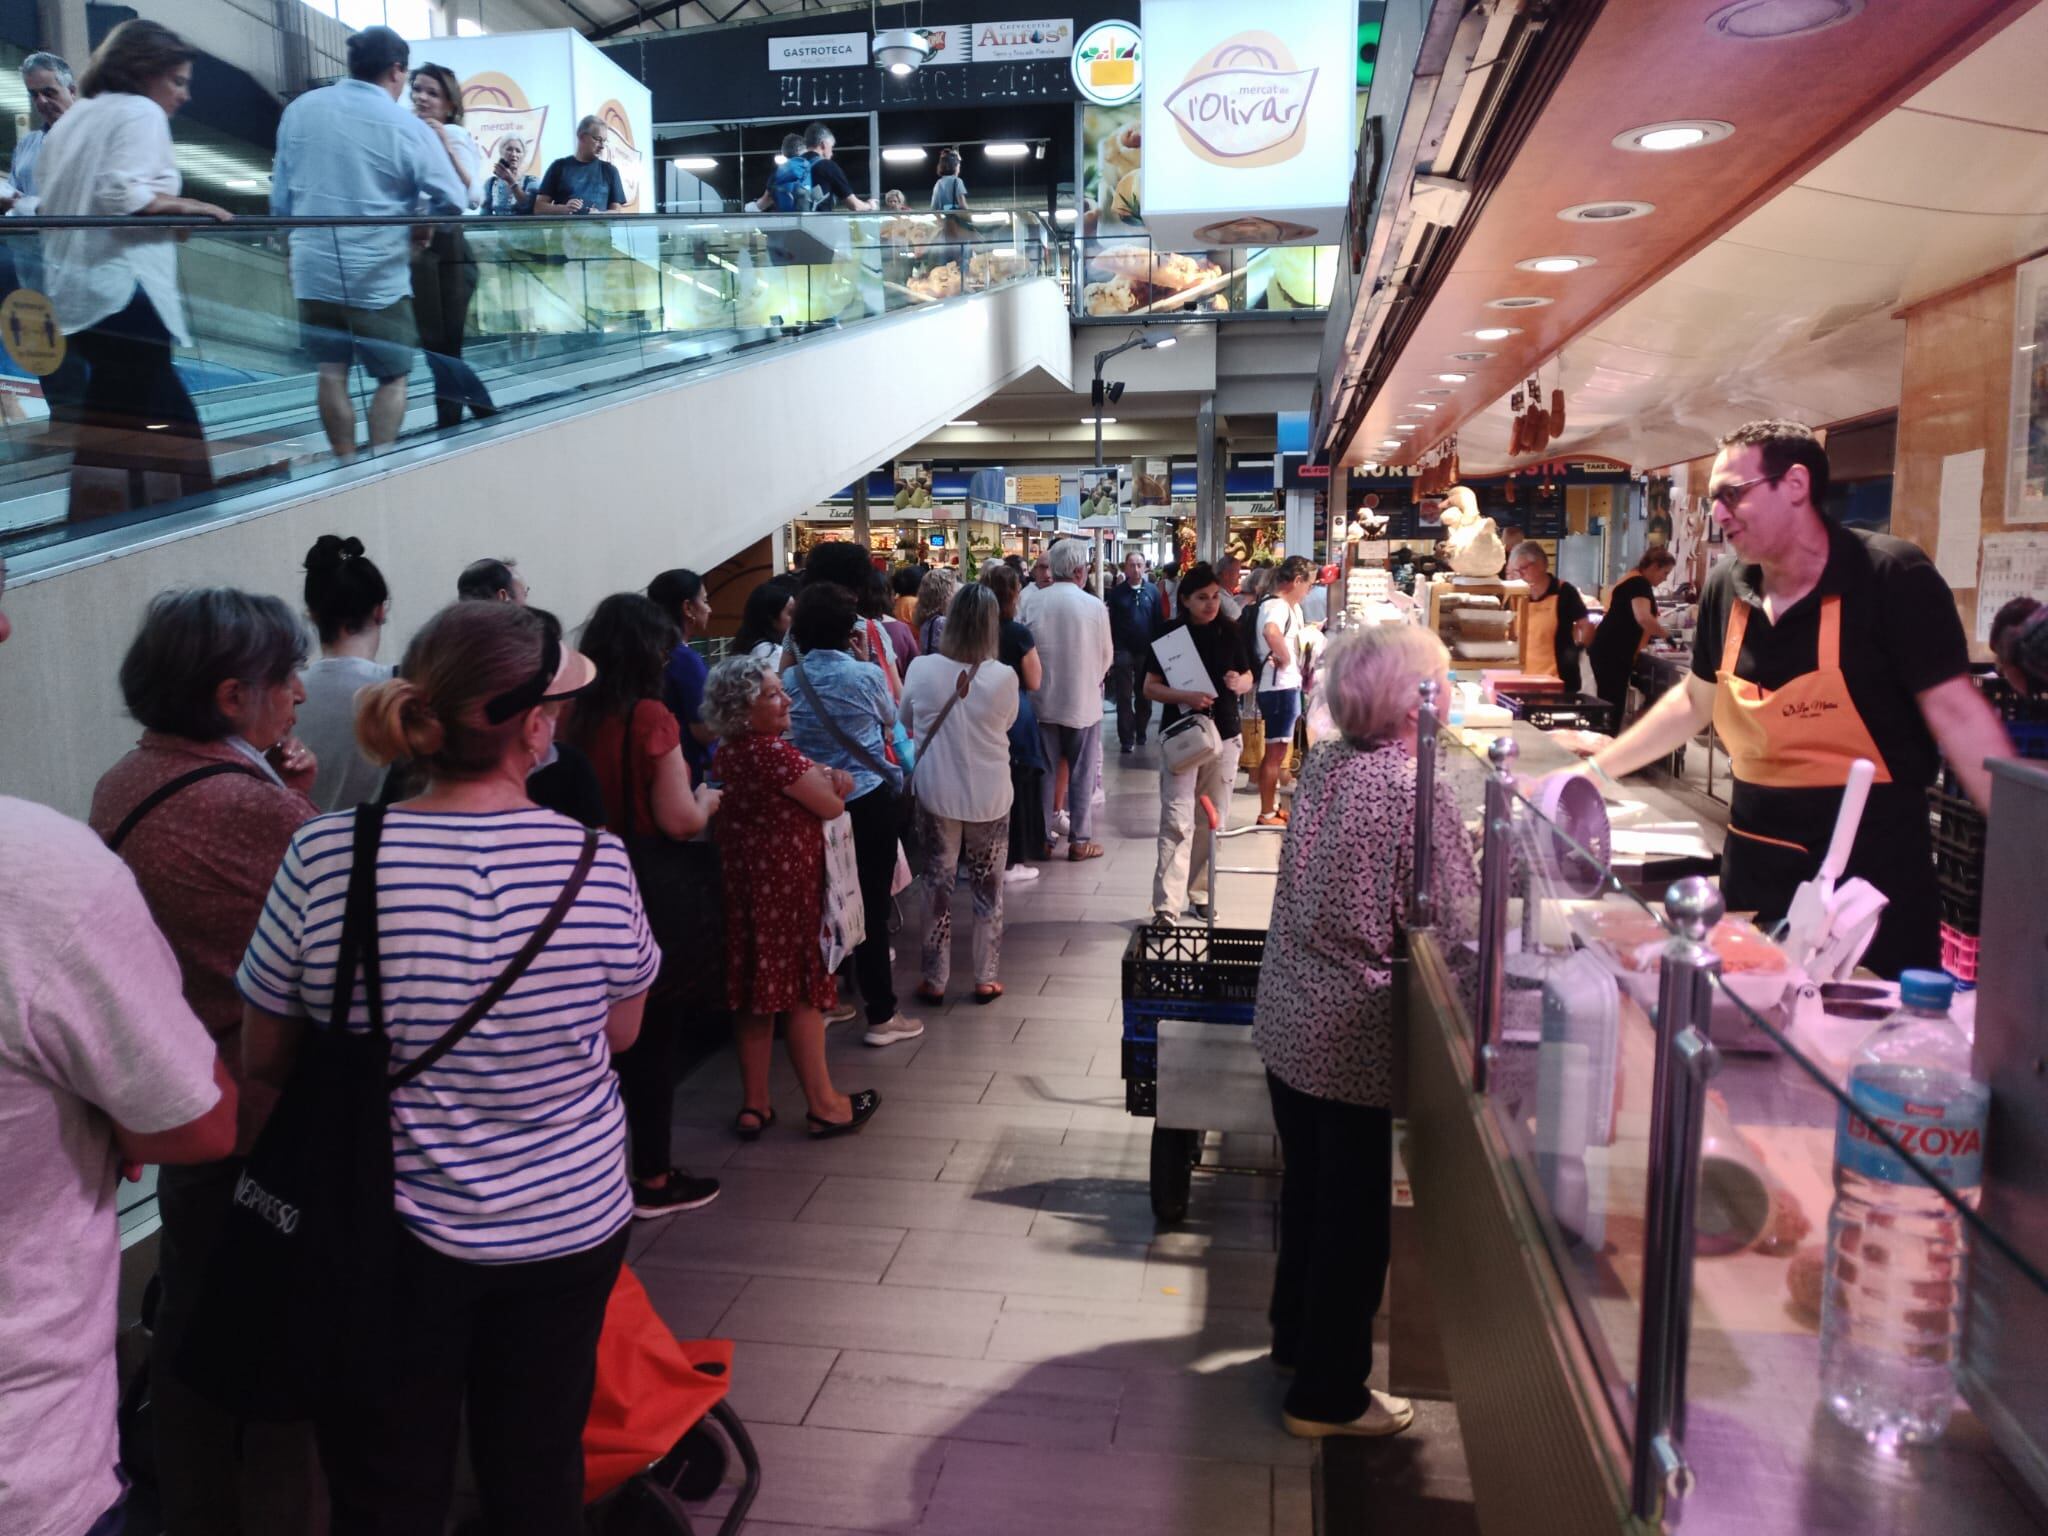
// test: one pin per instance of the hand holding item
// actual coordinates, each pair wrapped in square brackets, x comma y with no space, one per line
[295,763]
[1238,682]
[574,205]
[1195,700]
[708,800]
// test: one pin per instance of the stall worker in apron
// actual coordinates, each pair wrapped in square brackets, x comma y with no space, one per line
[1817,645]
[1556,629]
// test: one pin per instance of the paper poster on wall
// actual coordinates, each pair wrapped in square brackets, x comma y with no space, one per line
[1961,524]
[2012,565]
[2027,477]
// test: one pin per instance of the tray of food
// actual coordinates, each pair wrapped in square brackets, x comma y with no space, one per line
[1630,942]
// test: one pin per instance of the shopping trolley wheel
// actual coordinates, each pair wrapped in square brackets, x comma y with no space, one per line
[1173,1172]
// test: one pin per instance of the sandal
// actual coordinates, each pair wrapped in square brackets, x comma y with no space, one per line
[762,1119]
[988,991]
[1079,851]
[936,996]
[1273,819]
[865,1103]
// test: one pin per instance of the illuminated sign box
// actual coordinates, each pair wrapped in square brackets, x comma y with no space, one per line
[1249,130]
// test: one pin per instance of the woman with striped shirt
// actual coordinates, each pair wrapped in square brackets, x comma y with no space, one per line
[511,1190]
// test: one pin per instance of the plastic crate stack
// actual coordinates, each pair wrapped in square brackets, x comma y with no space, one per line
[1959,833]
[1203,975]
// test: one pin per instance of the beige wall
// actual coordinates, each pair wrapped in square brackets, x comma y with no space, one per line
[690,473]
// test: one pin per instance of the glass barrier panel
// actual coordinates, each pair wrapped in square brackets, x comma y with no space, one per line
[1843,1298]
[282,349]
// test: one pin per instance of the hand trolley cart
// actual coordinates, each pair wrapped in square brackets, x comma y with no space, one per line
[1188,1061]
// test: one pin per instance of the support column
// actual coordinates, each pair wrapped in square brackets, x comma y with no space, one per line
[60,26]
[1212,461]
[860,513]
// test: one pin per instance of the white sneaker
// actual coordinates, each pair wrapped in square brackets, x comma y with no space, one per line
[1384,1415]
[900,1028]
[1018,874]
[1060,824]
[841,1013]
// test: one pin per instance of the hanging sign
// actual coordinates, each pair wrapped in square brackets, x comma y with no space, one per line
[996,41]
[834,50]
[1109,64]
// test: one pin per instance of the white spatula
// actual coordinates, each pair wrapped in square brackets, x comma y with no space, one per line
[1806,923]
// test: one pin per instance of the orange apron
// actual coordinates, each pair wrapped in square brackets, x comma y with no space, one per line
[1539,636]
[1803,737]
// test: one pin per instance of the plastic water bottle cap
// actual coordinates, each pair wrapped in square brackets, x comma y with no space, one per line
[1927,989]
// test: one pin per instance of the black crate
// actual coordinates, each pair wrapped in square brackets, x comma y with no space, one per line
[1961,897]
[1193,965]
[1141,1097]
[1550,710]
[1140,1060]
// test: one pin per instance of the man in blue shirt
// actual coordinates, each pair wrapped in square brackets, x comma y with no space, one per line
[349,150]
[51,92]
[1133,620]
[582,183]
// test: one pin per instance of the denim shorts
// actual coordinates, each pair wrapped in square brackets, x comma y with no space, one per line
[382,340]
[1279,708]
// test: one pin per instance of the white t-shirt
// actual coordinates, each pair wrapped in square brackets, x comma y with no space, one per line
[327,724]
[1071,627]
[1272,679]
[964,772]
[93,1029]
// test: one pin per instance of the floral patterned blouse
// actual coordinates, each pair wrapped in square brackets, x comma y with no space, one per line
[1324,1022]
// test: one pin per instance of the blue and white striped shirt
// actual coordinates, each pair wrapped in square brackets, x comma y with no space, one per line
[511,1147]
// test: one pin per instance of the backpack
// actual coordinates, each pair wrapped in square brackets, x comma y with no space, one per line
[794,190]
[1253,636]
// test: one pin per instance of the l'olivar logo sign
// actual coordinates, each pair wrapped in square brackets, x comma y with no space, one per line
[1244,103]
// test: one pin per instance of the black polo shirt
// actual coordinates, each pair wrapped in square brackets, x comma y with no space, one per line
[1900,637]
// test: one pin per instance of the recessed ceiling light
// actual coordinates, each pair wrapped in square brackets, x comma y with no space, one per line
[963,423]
[1455,378]
[1006,151]
[1468,357]
[1089,421]
[900,70]
[1765,21]
[1424,405]
[1392,442]
[1684,133]
[1518,301]
[1437,391]
[1612,212]
[697,163]
[1406,426]
[901,153]
[1495,332]
[1557,263]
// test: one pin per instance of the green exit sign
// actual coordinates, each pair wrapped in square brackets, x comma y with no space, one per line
[1368,50]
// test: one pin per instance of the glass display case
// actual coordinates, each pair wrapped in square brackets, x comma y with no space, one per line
[1623,1130]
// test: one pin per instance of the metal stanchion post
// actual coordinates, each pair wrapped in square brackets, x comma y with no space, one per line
[1496,876]
[1686,1059]
[1421,903]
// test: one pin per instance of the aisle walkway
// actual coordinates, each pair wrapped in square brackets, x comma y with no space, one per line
[961,1322]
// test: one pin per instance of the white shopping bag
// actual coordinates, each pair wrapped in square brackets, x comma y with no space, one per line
[844,920]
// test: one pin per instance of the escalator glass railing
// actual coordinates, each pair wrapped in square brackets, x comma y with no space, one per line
[240,363]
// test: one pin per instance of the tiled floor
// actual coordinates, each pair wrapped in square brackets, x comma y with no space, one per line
[962,1322]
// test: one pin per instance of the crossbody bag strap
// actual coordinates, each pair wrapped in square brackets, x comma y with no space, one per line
[837,731]
[163,792]
[359,927]
[965,682]
[536,941]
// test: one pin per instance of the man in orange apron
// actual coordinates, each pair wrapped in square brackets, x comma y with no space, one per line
[1817,645]
[1555,624]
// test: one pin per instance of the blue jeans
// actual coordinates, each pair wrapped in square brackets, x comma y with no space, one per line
[1081,746]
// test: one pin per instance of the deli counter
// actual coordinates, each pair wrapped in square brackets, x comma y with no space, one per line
[1620,1135]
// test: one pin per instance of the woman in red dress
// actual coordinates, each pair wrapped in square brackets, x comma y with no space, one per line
[771,835]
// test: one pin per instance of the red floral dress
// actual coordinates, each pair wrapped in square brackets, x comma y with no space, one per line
[772,851]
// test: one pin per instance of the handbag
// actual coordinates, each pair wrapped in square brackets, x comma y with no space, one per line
[1189,742]
[296,1297]
[681,890]
[1254,750]
[843,915]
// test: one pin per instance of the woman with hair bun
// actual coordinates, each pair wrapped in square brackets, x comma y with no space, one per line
[349,604]
[511,1195]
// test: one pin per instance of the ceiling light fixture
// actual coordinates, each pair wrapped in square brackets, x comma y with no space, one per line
[1392,442]
[963,423]
[244,183]
[900,50]
[1063,216]
[1766,21]
[1006,151]
[1437,391]
[1468,357]
[1406,426]
[696,163]
[1090,421]
[782,159]
[1611,212]
[1424,405]
[1557,263]
[1495,332]
[1682,133]
[1519,301]
[900,154]
[1165,341]
[991,218]
[1453,378]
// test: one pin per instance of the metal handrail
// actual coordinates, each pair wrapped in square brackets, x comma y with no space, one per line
[38,222]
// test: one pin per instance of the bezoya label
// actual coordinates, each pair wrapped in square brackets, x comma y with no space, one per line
[1947,1138]
[268,1208]
[1244,103]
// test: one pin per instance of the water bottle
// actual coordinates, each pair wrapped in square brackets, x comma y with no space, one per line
[1891,1308]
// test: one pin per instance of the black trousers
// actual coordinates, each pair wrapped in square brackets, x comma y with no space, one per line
[877,824]
[444,280]
[139,437]
[513,1344]
[1333,1248]
[647,1087]
[1127,690]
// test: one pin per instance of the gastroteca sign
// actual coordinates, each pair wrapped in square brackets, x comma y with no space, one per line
[835,50]
[1249,131]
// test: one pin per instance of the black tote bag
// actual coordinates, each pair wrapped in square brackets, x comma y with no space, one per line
[297,1294]
[681,890]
